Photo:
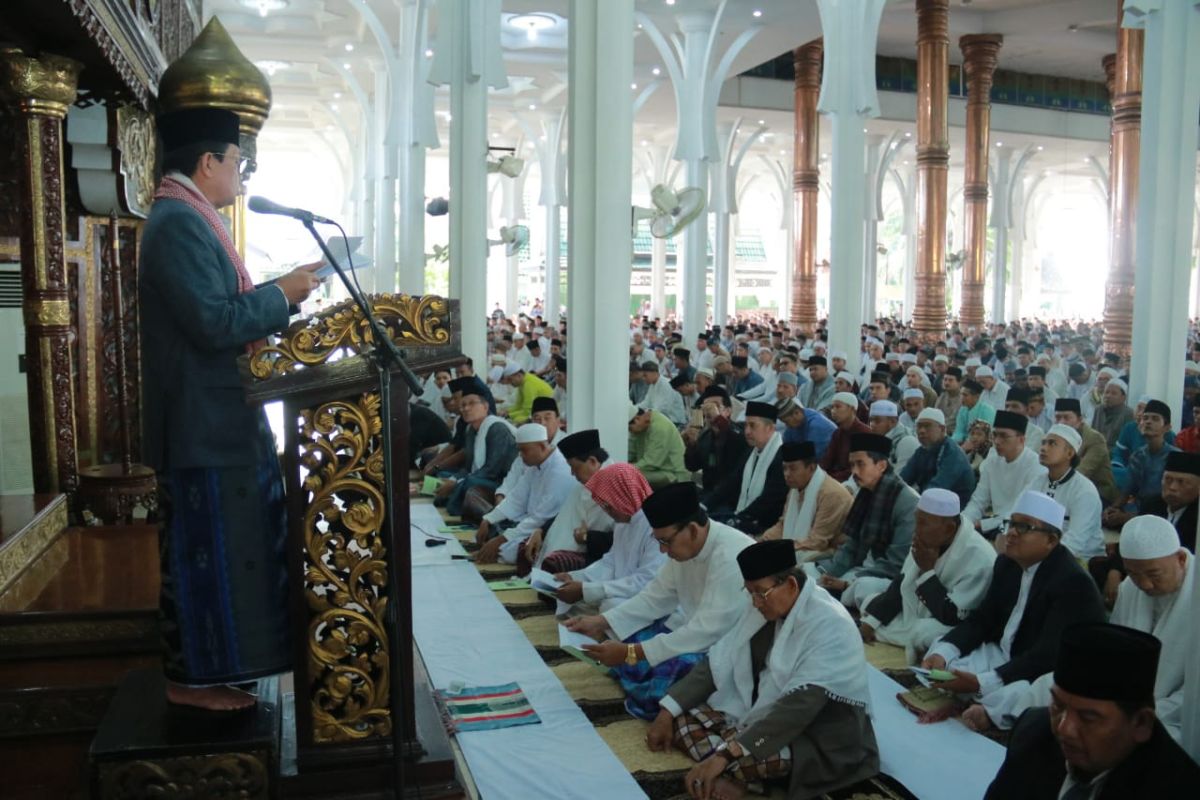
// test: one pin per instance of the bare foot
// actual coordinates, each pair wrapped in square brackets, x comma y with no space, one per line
[976,718]
[727,789]
[210,698]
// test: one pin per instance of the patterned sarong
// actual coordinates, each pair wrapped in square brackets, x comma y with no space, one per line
[702,730]
[223,609]
[645,685]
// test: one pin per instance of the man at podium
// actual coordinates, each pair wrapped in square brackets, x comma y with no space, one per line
[223,606]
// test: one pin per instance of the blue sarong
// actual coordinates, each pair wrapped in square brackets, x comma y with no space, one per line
[645,685]
[223,606]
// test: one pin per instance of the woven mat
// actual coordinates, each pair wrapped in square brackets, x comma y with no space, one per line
[627,739]
[885,656]
[585,682]
[496,572]
[542,631]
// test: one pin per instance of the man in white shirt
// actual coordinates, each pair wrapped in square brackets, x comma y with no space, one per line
[1081,532]
[581,532]
[1006,472]
[995,391]
[535,500]
[699,591]
[519,354]
[885,421]
[660,396]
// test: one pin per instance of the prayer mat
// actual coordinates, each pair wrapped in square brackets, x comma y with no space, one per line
[485,708]
[885,656]
[659,774]
[585,682]
[542,631]
[522,603]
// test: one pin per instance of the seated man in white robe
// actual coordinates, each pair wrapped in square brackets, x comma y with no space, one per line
[1059,454]
[816,505]
[664,630]
[634,559]
[944,578]
[1007,471]
[581,532]
[1037,591]
[660,396]
[534,501]
[783,693]
[545,413]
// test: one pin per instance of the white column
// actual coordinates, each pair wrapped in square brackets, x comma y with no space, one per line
[656,168]
[1166,194]
[999,223]
[552,301]
[467,57]
[848,97]
[724,204]
[658,277]
[875,153]
[910,241]
[513,190]
[1017,221]
[600,165]
[416,131]
[385,189]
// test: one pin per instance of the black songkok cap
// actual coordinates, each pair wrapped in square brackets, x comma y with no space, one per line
[1018,395]
[194,125]
[1180,461]
[817,361]
[681,379]
[1069,404]
[955,371]
[672,504]
[797,451]
[1038,371]
[543,404]
[739,361]
[764,559]
[714,391]
[764,410]
[1160,408]
[1012,421]
[881,377]
[973,386]
[682,352]
[579,444]
[870,443]
[1100,661]
[460,384]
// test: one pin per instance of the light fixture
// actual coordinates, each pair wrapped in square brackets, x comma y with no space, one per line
[656,72]
[908,134]
[762,122]
[533,106]
[999,144]
[670,2]
[337,95]
[333,106]
[428,53]
[271,66]
[345,65]
[756,13]
[1039,148]
[532,24]
[633,86]
[264,7]
[644,143]
[349,47]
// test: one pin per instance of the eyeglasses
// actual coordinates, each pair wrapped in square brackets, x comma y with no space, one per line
[1022,528]
[761,597]
[242,162]
[667,541]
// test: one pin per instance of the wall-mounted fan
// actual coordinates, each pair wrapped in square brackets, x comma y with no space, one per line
[508,166]
[513,237]
[672,211]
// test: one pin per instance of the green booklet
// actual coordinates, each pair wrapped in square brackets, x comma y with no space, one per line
[575,652]
[430,486]
[508,585]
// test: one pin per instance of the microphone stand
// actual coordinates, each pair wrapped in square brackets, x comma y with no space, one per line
[386,356]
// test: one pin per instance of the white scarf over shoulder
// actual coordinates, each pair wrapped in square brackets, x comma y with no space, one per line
[816,644]
[479,454]
[1169,619]
[754,473]
[798,515]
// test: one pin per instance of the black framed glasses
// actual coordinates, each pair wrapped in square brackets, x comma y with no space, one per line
[1022,528]
[667,541]
[242,163]
[761,597]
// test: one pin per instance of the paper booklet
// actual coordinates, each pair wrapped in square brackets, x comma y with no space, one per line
[543,582]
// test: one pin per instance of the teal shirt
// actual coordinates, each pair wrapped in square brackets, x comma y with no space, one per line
[966,416]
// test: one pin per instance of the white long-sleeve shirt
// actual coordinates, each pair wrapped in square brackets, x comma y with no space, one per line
[1082,534]
[509,484]
[703,597]
[661,397]
[632,562]
[1001,483]
[578,508]
[536,498]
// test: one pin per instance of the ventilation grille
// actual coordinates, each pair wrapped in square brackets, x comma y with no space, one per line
[10,289]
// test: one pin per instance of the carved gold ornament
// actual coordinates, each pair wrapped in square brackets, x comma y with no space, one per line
[218,776]
[345,571]
[342,330]
[47,312]
[136,142]
[45,85]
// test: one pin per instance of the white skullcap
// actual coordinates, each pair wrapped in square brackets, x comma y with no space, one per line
[844,376]
[908,358]
[1067,434]
[892,356]
[909,393]
[539,330]
[1110,372]
[942,357]
[939,502]
[1120,384]
[512,368]
[838,354]
[973,362]
[495,374]
[984,372]
[705,371]
[1147,537]
[884,408]
[914,370]
[498,359]
[518,335]
[846,398]
[633,412]
[933,414]
[871,340]
[1043,357]
[1042,507]
[532,432]
[820,345]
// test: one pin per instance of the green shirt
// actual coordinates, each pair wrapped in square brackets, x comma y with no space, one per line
[658,451]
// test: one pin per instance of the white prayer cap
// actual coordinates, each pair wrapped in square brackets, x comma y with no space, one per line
[933,414]
[973,362]
[806,354]
[1120,384]
[498,359]
[908,358]
[1147,537]
[1145,398]
[512,368]
[1043,357]
[1110,372]
[1042,507]
[633,412]
[941,357]
[705,371]
[838,354]
[871,340]
[884,408]
[846,398]
[914,370]
[820,345]
[984,372]
[939,502]
[892,356]
[1067,434]
[532,432]
[518,335]
[539,331]
[495,374]
[844,376]
[909,393]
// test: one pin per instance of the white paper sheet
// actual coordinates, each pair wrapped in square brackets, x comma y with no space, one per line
[543,581]
[569,638]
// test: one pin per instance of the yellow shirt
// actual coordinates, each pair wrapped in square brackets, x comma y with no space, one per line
[531,388]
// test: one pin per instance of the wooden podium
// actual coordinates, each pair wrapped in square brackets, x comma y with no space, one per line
[354,678]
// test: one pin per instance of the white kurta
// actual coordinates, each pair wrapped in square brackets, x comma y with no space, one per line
[578,508]
[702,598]
[1082,535]
[535,500]
[997,395]
[661,397]
[632,562]
[754,472]
[1000,484]
[1033,437]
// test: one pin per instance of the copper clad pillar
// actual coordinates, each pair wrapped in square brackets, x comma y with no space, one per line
[933,162]
[38,92]
[980,54]
[806,184]
[1126,92]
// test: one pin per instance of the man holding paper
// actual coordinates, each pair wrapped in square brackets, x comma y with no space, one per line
[581,532]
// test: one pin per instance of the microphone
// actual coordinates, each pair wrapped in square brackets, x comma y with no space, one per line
[262,205]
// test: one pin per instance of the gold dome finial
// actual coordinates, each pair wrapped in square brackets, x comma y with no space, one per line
[213,73]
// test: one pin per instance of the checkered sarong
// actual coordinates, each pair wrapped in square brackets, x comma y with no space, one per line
[702,730]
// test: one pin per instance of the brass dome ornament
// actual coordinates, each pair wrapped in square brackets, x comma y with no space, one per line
[213,73]
[45,85]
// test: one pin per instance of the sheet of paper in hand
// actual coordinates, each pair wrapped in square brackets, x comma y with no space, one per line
[543,582]
[345,250]
[486,708]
